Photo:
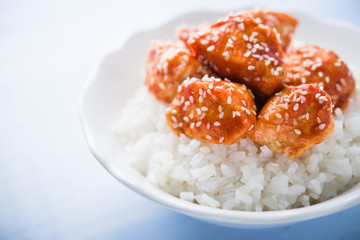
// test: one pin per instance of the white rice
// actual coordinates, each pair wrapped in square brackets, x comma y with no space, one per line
[243,176]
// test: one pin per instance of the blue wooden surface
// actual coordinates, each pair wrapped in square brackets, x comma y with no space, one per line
[51,187]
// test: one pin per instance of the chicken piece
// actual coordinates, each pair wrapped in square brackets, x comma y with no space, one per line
[284,24]
[316,65]
[184,33]
[212,110]
[241,49]
[167,67]
[295,119]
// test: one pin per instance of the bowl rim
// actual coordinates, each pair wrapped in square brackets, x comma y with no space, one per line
[343,201]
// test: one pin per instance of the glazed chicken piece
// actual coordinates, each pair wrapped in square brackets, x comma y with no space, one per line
[295,119]
[284,24]
[212,110]
[167,67]
[241,49]
[323,68]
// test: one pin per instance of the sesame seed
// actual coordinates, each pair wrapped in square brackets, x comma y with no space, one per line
[220,108]
[187,103]
[278,127]
[267,62]
[322,126]
[246,110]
[201,99]
[286,106]
[204,109]
[266,117]
[186,119]
[297,131]
[241,26]
[296,107]
[323,98]
[251,67]
[278,115]
[279,69]
[191,98]
[303,80]
[245,37]
[208,125]
[338,87]
[216,124]
[198,111]
[204,41]
[211,48]
[221,115]
[297,69]
[303,99]
[229,100]
[307,116]
[208,137]
[173,118]
[317,95]
[248,53]
[342,81]
[202,116]
[162,86]
[198,124]
[221,139]
[286,116]
[173,111]
[211,85]
[318,120]
[201,91]
[238,113]
[192,125]
[320,74]
[226,54]
[233,114]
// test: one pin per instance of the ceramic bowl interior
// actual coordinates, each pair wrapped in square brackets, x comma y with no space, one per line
[121,72]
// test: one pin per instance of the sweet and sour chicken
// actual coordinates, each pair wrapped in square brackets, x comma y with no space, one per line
[167,67]
[212,110]
[242,49]
[211,81]
[295,119]
[323,68]
[283,23]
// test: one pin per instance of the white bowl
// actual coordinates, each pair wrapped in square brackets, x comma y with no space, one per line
[121,72]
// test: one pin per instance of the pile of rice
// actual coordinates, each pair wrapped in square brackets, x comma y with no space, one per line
[243,176]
